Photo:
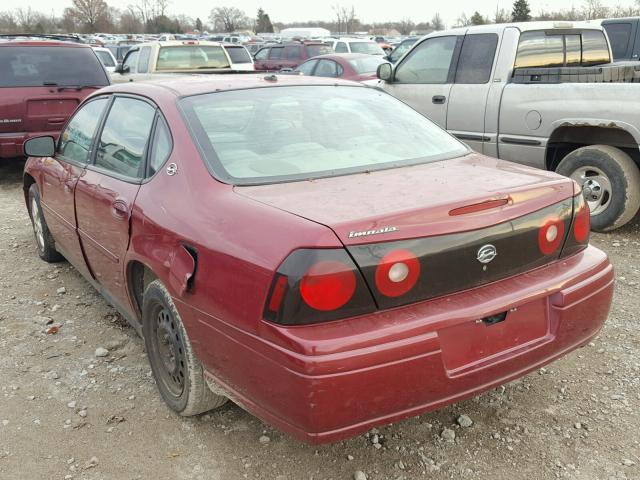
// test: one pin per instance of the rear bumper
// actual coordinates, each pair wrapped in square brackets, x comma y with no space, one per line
[12,144]
[323,383]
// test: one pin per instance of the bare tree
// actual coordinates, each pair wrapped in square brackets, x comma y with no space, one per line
[594,9]
[502,16]
[436,22]
[405,26]
[229,19]
[346,19]
[8,22]
[90,13]
[463,20]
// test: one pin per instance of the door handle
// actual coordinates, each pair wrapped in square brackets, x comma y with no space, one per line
[438,99]
[120,209]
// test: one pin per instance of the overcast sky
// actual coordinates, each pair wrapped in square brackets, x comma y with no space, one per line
[366,10]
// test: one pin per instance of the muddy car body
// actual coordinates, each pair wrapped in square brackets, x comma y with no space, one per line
[325,298]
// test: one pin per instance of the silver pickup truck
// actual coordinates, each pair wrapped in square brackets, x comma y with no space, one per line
[543,94]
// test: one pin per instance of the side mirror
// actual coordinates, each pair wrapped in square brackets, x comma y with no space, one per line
[40,147]
[122,68]
[385,72]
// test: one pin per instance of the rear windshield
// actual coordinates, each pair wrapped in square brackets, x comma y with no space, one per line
[191,57]
[266,135]
[366,64]
[238,55]
[105,58]
[370,48]
[37,66]
[315,50]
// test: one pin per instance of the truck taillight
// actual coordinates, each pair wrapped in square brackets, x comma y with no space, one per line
[317,285]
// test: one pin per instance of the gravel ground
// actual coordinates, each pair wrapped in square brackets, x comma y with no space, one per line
[66,413]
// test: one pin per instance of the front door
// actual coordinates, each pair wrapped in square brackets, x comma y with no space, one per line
[61,175]
[424,77]
[106,193]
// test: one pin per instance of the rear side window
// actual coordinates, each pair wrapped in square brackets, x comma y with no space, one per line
[595,50]
[307,67]
[315,50]
[76,139]
[55,66]
[327,68]
[539,49]
[161,147]
[476,58]
[124,137]
[429,62]
[191,57]
[143,59]
[238,55]
[276,53]
[619,36]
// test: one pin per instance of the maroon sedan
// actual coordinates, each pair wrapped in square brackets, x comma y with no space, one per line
[315,250]
[350,66]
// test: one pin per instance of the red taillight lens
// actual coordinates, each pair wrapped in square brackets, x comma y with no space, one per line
[279,289]
[582,222]
[397,273]
[328,285]
[550,235]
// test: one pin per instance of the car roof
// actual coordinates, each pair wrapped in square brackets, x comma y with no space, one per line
[344,56]
[522,26]
[183,86]
[179,43]
[41,43]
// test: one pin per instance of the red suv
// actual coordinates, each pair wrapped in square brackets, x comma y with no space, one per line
[277,57]
[41,84]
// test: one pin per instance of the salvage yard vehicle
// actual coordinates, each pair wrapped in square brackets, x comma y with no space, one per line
[314,249]
[288,55]
[358,45]
[539,93]
[105,56]
[350,66]
[41,84]
[147,60]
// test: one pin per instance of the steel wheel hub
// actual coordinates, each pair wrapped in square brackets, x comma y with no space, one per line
[37,223]
[596,188]
[170,352]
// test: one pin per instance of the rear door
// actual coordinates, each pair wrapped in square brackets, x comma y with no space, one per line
[60,176]
[275,58]
[424,77]
[292,56]
[471,86]
[106,192]
[41,86]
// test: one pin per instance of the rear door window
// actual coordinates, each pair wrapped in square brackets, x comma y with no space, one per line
[619,36]
[124,138]
[238,55]
[55,66]
[476,58]
[143,59]
[75,141]
[429,62]
[307,67]
[292,52]
[341,47]
[327,68]
[315,50]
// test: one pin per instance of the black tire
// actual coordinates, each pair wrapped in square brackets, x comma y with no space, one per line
[45,243]
[177,371]
[610,180]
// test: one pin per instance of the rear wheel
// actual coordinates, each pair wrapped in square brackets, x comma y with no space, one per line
[178,373]
[610,182]
[44,240]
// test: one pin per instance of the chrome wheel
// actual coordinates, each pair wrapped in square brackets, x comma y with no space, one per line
[170,351]
[38,228]
[596,188]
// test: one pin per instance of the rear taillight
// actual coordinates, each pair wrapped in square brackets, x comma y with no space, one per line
[550,235]
[578,238]
[317,285]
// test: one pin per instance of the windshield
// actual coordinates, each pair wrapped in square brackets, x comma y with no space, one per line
[191,57]
[366,64]
[370,48]
[61,66]
[105,58]
[265,135]
[315,50]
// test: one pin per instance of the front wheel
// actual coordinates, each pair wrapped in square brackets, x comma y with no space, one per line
[177,371]
[610,182]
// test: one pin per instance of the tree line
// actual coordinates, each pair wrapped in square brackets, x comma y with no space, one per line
[152,16]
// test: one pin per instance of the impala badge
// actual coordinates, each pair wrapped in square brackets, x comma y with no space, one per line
[487,253]
[375,231]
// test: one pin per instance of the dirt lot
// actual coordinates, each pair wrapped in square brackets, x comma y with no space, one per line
[64,413]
